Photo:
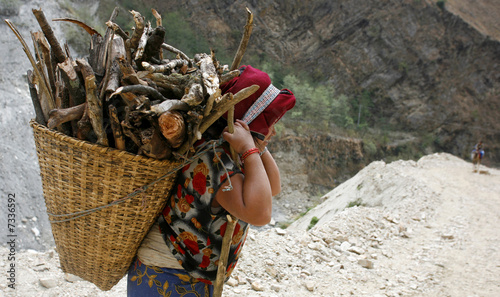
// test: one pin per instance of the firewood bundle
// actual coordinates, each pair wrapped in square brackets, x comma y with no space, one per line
[125,94]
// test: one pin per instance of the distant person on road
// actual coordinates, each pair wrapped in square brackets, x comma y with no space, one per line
[477,154]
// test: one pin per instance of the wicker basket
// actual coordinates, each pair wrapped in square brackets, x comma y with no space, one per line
[96,223]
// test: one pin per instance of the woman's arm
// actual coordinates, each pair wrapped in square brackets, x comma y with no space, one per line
[250,199]
[273,173]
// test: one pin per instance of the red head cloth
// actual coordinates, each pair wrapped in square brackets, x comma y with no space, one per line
[283,101]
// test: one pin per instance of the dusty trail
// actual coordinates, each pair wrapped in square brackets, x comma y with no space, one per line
[471,211]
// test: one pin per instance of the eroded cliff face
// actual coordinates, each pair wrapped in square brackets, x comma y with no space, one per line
[427,69]
[327,160]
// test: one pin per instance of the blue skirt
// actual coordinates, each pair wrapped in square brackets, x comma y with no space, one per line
[144,280]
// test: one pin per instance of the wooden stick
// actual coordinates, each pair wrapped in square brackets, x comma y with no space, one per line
[226,247]
[46,94]
[227,101]
[157,15]
[95,110]
[44,46]
[178,52]
[34,98]
[117,29]
[230,128]
[116,127]
[72,82]
[59,116]
[84,26]
[141,46]
[210,102]
[154,145]
[37,75]
[129,74]
[229,76]
[154,41]
[244,41]
[140,89]
[49,34]
[84,126]
[138,31]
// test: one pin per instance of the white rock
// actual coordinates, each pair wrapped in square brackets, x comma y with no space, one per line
[345,246]
[72,278]
[232,282]
[310,285]
[257,286]
[356,250]
[280,231]
[48,282]
[366,263]
[276,288]
[35,231]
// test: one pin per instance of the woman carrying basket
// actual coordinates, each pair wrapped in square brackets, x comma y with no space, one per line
[179,256]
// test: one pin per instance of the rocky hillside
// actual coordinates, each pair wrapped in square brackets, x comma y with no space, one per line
[428,70]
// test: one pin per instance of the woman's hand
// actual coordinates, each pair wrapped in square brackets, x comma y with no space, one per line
[241,140]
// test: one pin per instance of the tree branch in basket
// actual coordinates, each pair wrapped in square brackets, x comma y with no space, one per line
[41,42]
[95,110]
[34,98]
[177,52]
[116,128]
[59,116]
[130,76]
[84,26]
[49,34]
[118,30]
[244,41]
[140,90]
[72,82]
[138,31]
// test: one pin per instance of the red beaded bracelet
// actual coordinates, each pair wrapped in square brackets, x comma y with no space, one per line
[248,153]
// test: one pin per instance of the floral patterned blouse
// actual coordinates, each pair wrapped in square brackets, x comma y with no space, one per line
[190,228]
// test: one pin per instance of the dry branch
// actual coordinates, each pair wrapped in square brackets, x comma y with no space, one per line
[60,116]
[244,41]
[49,34]
[226,246]
[116,127]
[177,52]
[72,82]
[95,110]
[36,102]
[138,31]
[118,30]
[84,26]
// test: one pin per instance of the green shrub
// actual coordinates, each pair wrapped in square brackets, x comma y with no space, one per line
[313,222]
[354,203]
[441,3]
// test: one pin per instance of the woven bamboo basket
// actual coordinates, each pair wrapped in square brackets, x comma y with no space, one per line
[101,203]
